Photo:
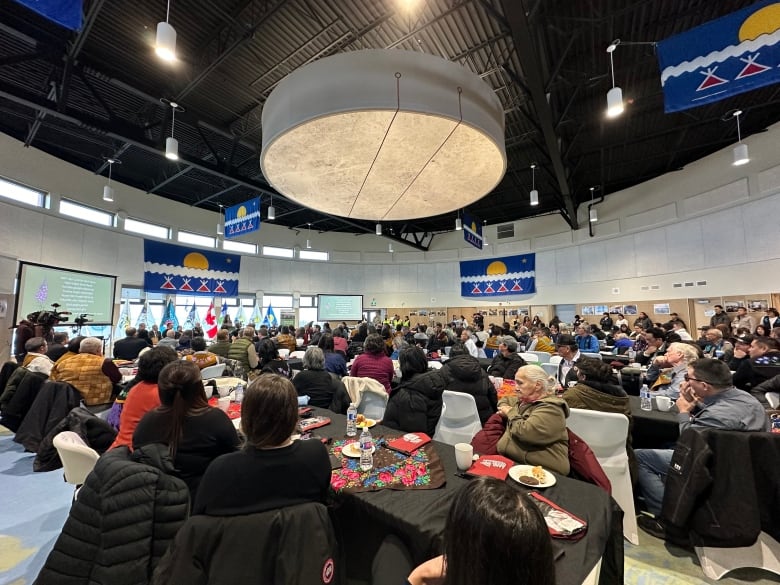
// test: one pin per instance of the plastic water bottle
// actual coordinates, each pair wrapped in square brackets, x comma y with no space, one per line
[645,402]
[631,355]
[352,420]
[366,447]
[239,394]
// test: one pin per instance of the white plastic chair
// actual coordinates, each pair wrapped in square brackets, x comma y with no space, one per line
[551,369]
[543,356]
[596,356]
[296,355]
[373,404]
[459,420]
[529,357]
[555,359]
[434,365]
[78,458]
[773,398]
[284,353]
[606,433]
[764,553]
[214,371]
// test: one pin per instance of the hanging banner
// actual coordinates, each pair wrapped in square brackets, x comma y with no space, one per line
[472,230]
[498,277]
[67,13]
[725,57]
[173,269]
[242,218]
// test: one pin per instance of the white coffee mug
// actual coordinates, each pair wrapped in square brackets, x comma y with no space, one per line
[224,403]
[464,453]
[664,403]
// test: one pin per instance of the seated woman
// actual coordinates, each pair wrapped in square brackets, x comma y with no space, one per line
[195,433]
[622,343]
[315,382]
[269,361]
[415,406]
[271,471]
[373,362]
[536,422]
[334,361]
[462,373]
[398,344]
[484,512]
[140,395]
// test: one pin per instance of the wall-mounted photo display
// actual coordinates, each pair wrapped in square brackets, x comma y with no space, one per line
[630,310]
[661,308]
[616,310]
[757,306]
[732,306]
[588,310]
[599,309]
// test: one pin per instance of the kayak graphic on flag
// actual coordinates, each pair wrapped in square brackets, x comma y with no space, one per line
[498,277]
[728,56]
[169,269]
[211,321]
[242,218]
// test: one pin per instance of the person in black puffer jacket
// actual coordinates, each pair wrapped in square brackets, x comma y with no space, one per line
[462,373]
[506,362]
[415,406]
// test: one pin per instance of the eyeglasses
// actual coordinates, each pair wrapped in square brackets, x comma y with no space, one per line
[687,378]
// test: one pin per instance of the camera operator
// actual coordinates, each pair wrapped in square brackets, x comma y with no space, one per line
[24,332]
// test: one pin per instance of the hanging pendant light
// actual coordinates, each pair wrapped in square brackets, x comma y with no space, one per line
[220,224]
[458,223]
[165,42]
[390,247]
[308,241]
[378,230]
[593,214]
[271,211]
[741,156]
[534,192]
[171,144]
[615,95]
[108,190]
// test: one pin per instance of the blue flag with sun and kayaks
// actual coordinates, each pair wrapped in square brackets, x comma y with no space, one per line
[498,277]
[733,54]
[472,230]
[173,269]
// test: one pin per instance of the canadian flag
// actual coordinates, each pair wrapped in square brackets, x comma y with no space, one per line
[211,321]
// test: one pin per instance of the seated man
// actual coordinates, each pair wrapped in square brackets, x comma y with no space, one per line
[221,346]
[506,361]
[169,339]
[36,359]
[91,374]
[764,363]
[586,342]
[717,347]
[200,356]
[129,347]
[707,399]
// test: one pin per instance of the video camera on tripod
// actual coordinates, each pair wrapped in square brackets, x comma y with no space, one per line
[81,319]
[44,321]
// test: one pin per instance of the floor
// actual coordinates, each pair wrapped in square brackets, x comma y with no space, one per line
[35,506]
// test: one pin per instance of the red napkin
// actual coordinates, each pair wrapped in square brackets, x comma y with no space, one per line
[492,466]
[314,422]
[409,443]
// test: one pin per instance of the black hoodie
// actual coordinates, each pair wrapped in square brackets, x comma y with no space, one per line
[463,373]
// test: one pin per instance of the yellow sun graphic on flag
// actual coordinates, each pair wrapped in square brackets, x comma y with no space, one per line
[474,227]
[241,212]
[496,268]
[764,21]
[195,260]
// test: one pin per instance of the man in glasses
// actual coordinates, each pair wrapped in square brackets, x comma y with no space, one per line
[708,400]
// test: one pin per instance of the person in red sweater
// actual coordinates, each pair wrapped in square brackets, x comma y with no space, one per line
[373,362]
[142,396]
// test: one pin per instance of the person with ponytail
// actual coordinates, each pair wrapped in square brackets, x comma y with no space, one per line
[194,432]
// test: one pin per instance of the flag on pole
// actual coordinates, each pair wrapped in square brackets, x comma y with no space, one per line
[222,314]
[270,318]
[256,317]
[169,316]
[192,318]
[211,321]
[240,317]
[124,321]
[144,317]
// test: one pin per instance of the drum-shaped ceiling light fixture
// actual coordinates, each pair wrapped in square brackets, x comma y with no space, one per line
[383,135]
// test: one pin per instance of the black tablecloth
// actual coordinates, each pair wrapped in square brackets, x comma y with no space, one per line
[653,429]
[418,518]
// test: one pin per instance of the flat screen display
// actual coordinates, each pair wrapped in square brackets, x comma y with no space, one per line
[339,307]
[79,293]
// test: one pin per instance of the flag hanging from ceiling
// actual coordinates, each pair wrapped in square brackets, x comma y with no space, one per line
[498,277]
[67,13]
[242,218]
[173,269]
[211,321]
[472,230]
[724,57]
[169,316]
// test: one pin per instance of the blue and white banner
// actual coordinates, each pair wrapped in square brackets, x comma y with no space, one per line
[67,13]
[242,218]
[472,230]
[498,277]
[725,57]
[173,269]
